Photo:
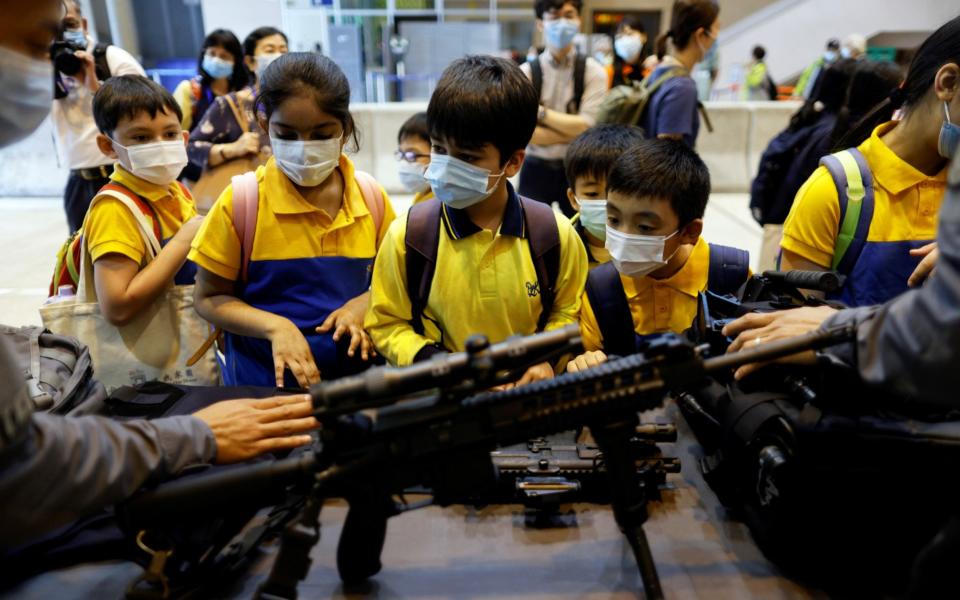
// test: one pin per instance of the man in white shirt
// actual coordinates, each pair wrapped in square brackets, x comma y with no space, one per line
[74,128]
[571,89]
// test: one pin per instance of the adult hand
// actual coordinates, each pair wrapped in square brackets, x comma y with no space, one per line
[88,71]
[349,319]
[589,359]
[929,253]
[245,429]
[248,143]
[756,329]
[291,350]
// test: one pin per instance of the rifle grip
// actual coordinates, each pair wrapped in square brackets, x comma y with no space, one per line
[361,540]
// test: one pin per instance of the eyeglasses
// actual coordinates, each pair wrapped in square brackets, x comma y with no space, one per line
[409,156]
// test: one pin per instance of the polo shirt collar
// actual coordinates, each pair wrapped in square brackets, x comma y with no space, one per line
[141,187]
[889,170]
[459,225]
[689,280]
[290,202]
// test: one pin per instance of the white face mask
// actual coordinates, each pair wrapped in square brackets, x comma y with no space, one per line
[628,47]
[159,162]
[637,255]
[307,164]
[411,177]
[593,216]
[26,94]
[264,60]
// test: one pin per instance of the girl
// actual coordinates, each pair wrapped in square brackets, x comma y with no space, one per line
[672,110]
[220,71]
[628,45]
[879,247]
[314,240]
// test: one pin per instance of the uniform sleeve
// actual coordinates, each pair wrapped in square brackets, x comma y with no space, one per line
[571,277]
[811,228]
[66,468]
[589,328]
[122,62]
[678,108]
[216,247]
[594,89]
[184,97]
[111,229]
[388,317]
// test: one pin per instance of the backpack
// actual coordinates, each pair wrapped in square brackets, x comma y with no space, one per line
[422,244]
[854,181]
[57,369]
[626,104]
[728,270]
[67,268]
[775,163]
[579,71]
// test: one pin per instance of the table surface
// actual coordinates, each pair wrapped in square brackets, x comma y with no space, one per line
[465,553]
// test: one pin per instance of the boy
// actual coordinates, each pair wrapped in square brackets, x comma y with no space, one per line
[657,192]
[139,123]
[477,258]
[588,160]
[413,156]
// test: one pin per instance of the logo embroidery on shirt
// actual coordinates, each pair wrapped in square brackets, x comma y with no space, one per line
[533,289]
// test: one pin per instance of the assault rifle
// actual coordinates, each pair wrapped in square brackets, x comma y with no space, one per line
[379,447]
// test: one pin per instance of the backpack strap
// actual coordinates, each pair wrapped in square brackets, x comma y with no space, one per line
[854,182]
[729,269]
[142,212]
[536,76]
[579,73]
[582,232]
[373,196]
[609,303]
[101,65]
[544,239]
[246,206]
[422,242]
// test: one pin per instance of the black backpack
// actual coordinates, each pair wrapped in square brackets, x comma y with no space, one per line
[775,163]
[422,242]
[579,72]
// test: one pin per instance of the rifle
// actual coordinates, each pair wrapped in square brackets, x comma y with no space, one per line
[444,445]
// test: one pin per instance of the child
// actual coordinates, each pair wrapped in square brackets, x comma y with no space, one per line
[314,239]
[503,265]
[587,163]
[413,156]
[657,192]
[139,123]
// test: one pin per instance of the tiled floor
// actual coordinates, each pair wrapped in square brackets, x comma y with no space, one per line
[33,229]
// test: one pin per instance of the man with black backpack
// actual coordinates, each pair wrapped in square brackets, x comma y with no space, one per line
[570,86]
[80,66]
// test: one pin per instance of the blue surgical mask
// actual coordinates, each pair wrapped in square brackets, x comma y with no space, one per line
[628,47]
[458,184]
[949,135]
[830,56]
[593,216]
[559,33]
[217,67]
[845,52]
[77,37]
[25,94]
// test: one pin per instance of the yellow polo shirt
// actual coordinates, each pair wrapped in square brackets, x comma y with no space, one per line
[482,284]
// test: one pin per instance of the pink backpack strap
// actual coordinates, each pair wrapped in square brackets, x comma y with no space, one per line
[372,196]
[246,205]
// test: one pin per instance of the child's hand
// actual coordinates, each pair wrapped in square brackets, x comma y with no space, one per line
[349,318]
[593,358]
[929,254]
[291,350]
[535,373]
[189,230]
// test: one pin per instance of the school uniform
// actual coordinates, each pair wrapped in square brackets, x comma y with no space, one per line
[905,208]
[484,282]
[304,264]
[423,196]
[110,228]
[596,255]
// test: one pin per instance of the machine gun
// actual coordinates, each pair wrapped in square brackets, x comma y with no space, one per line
[380,447]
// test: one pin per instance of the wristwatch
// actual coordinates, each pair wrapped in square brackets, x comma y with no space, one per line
[542,114]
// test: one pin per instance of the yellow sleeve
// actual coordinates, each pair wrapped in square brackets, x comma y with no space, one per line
[111,229]
[813,224]
[183,94]
[571,277]
[388,317]
[589,328]
[216,246]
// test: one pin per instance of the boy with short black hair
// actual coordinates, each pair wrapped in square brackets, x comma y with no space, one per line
[139,123]
[657,193]
[413,156]
[478,258]
[587,163]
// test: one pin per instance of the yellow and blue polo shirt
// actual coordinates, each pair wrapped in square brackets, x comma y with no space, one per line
[596,255]
[304,264]
[657,305]
[110,228]
[422,196]
[906,204]
[481,284]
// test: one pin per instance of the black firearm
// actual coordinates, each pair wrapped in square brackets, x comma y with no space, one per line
[445,446]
